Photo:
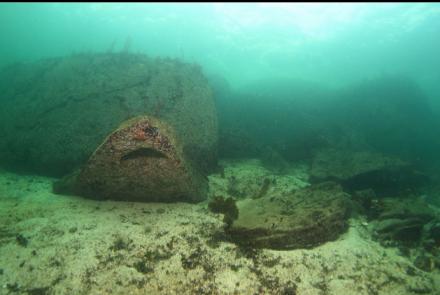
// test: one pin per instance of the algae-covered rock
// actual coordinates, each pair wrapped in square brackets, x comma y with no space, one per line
[403,220]
[306,218]
[56,112]
[228,207]
[141,161]
[248,178]
[360,170]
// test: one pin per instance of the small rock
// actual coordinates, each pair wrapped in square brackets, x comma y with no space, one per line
[13,287]
[425,263]
[411,271]
[73,230]
[22,240]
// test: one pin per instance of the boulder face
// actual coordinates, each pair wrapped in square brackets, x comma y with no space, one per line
[307,218]
[57,111]
[141,161]
[361,170]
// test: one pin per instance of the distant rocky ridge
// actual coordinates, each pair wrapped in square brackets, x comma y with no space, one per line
[295,119]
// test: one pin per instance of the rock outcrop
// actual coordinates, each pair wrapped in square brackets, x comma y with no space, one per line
[402,220]
[306,218]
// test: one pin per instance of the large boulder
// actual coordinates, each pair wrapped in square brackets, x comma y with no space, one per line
[141,161]
[306,218]
[57,111]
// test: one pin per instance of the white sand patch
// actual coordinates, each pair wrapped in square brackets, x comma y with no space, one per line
[80,246]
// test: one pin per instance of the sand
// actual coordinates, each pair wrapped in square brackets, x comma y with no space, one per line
[54,244]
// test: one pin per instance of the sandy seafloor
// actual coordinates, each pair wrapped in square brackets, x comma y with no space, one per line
[80,246]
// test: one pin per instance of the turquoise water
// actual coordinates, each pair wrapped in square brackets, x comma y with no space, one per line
[287,127]
[331,44]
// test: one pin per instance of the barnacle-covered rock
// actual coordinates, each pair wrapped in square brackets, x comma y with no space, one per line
[141,161]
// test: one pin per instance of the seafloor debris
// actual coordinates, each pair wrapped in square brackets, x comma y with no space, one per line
[409,224]
[228,207]
[143,161]
[306,218]
[402,220]
[22,240]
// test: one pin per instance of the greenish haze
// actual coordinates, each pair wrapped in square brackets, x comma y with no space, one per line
[332,44]
[273,67]
[297,125]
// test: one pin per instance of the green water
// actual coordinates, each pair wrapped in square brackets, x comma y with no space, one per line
[284,103]
[331,44]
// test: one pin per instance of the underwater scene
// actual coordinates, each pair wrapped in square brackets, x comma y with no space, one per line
[220,148]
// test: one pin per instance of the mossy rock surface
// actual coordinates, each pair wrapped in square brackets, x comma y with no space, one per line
[403,221]
[304,219]
[56,112]
[142,160]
